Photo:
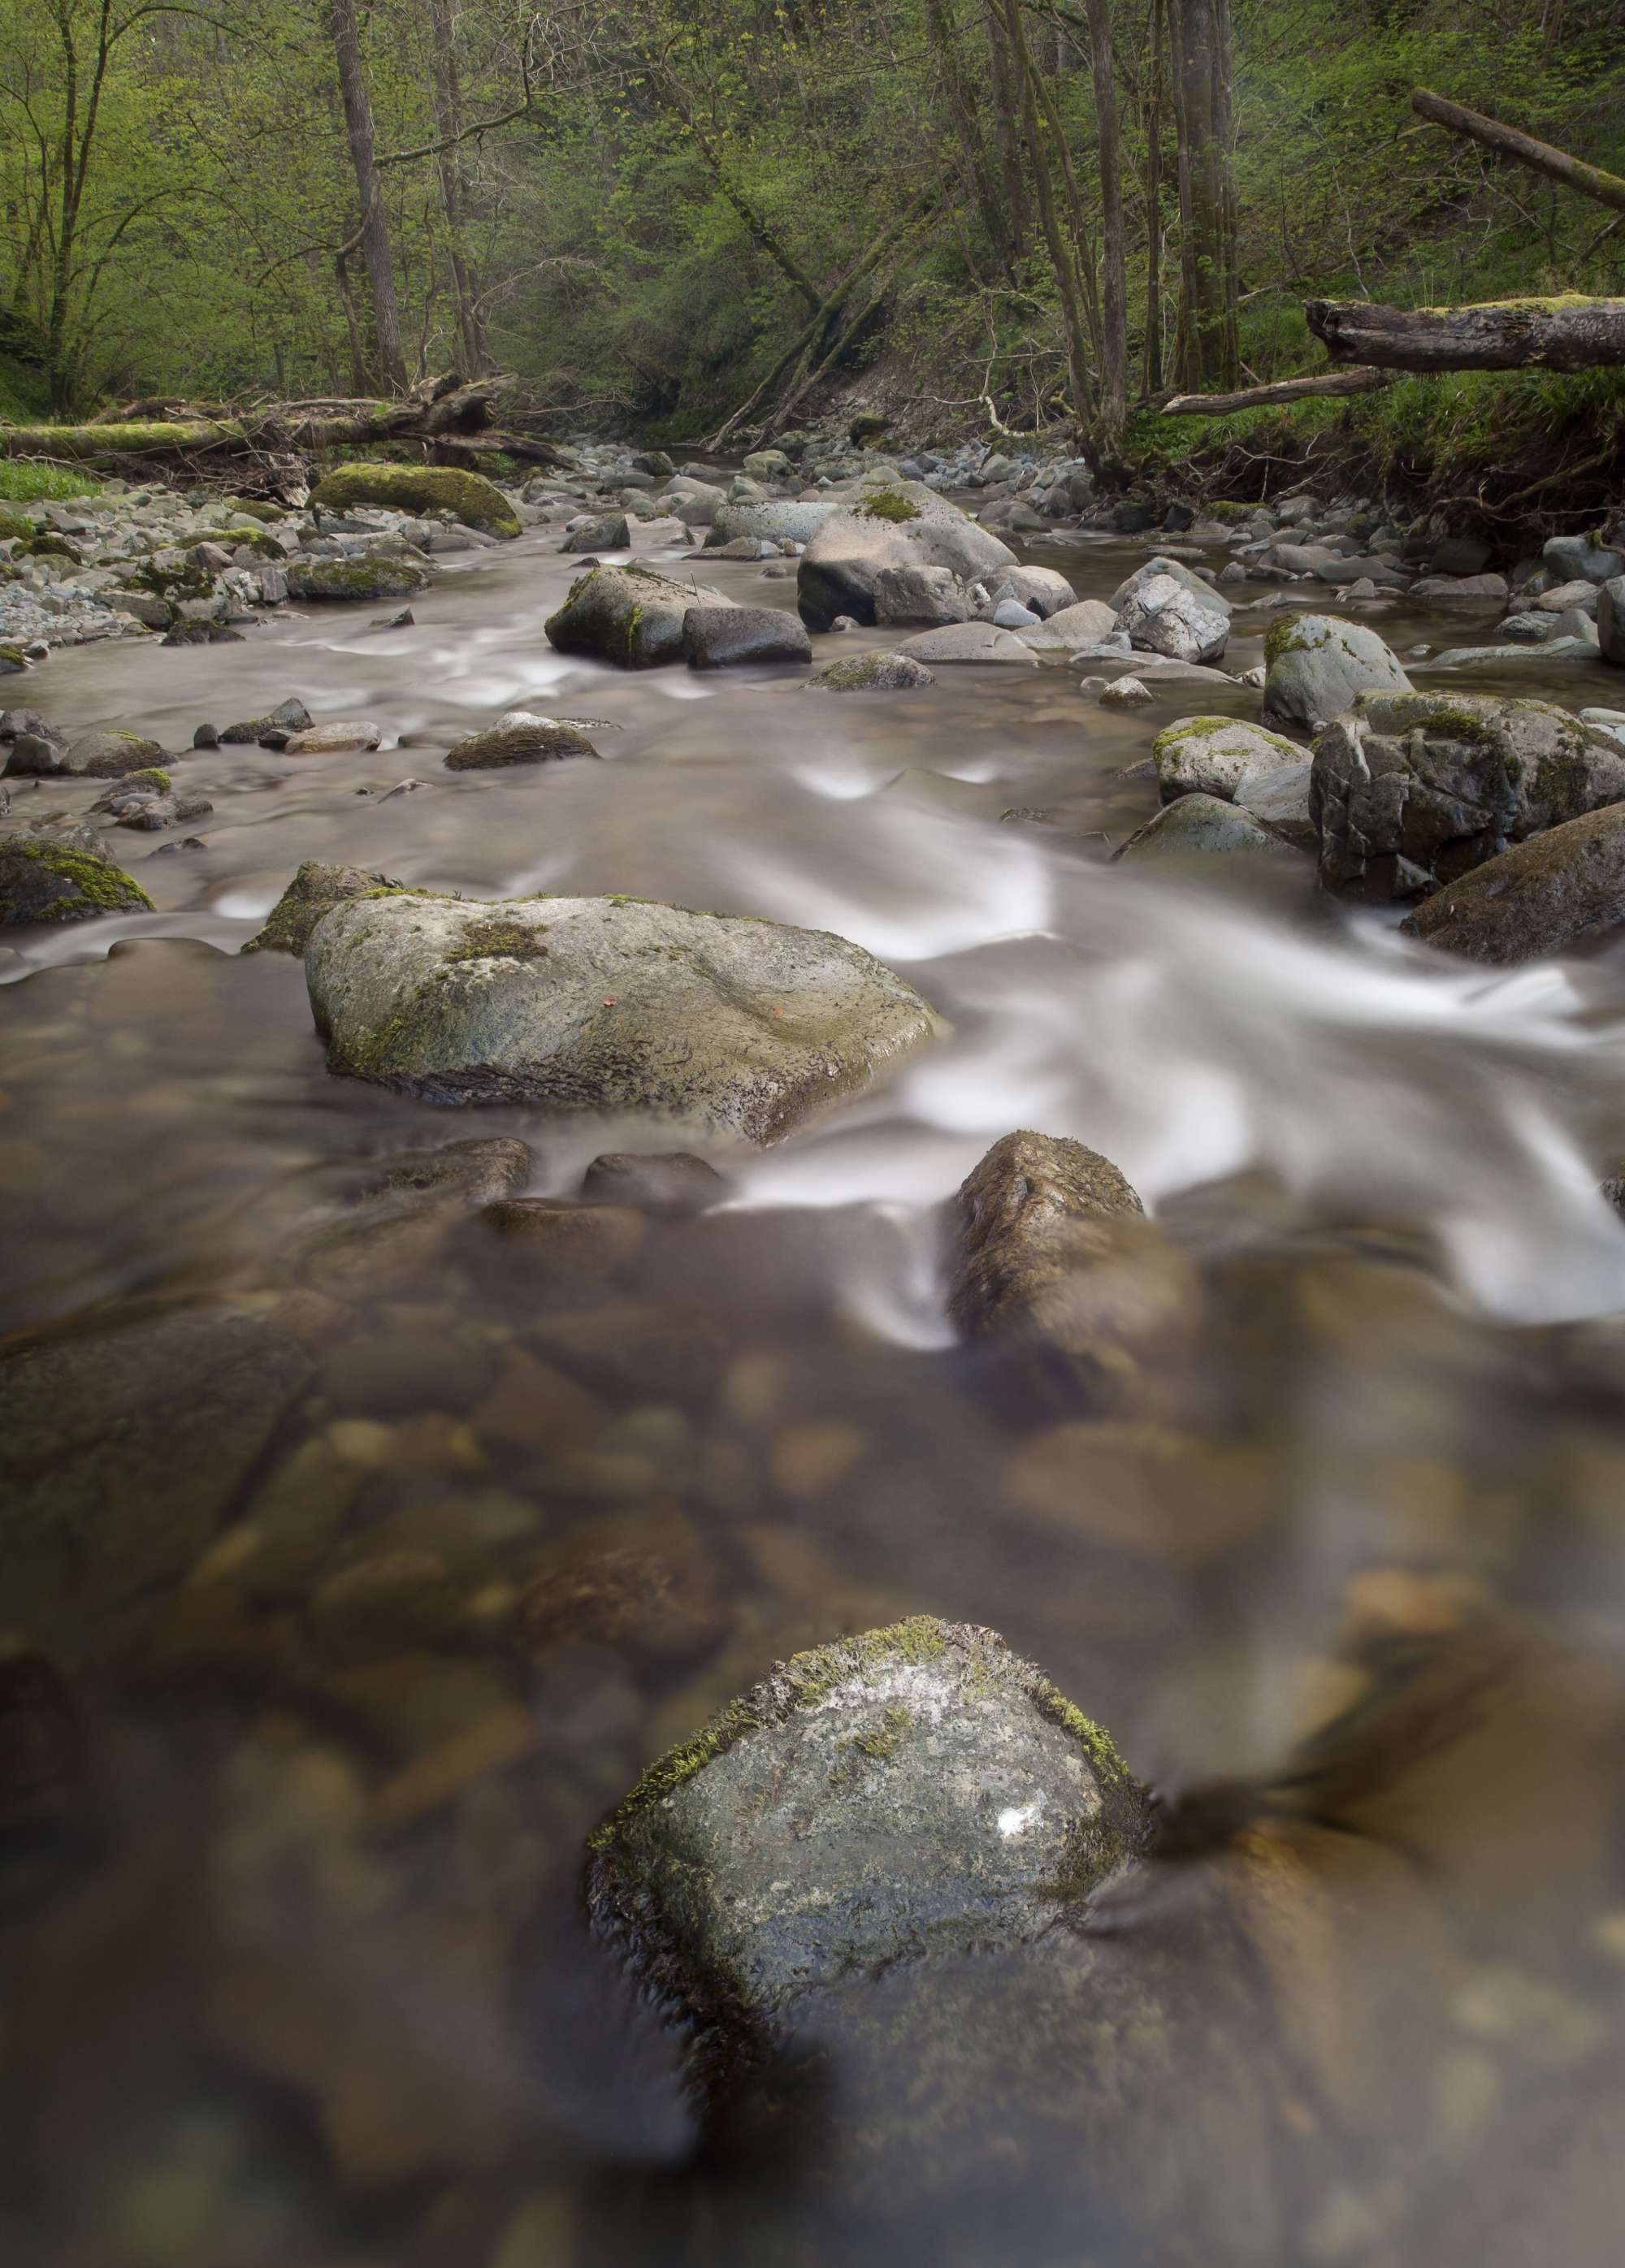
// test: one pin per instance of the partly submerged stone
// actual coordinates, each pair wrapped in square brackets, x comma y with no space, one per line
[627,616]
[338,737]
[541,740]
[1162,615]
[889,523]
[968,642]
[468,497]
[722,638]
[1317,665]
[665,1181]
[1199,825]
[93,755]
[1412,790]
[1540,896]
[872,672]
[1072,628]
[1219,755]
[274,729]
[609,532]
[916,1792]
[738,1025]
[318,886]
[376,575]
[61,876]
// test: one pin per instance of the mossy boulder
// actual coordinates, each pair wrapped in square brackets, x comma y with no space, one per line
[628,616]
[45,545]
[93,755]
[59,878]
[1201,826]
[317,887]
[734,1025]
[1317,665]
[1218,755]
[379,575]
[13,661]
[1538,897]
[1412,790]
[504,746]
[468,497]
[15,528]
[872,672]
[889,523]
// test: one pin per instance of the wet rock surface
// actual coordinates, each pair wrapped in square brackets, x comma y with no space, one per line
[540,741]
[1540,896]
[56,876]
[1318,665]
[889,524]
[628,616]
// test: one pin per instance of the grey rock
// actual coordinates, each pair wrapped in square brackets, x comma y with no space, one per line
[148,807]
[1478,590]
[61,875]
[872,673]
[316,888]
[931,595]
[1010,614]
[721,637]
[628,616]
[1199,825]
[1043,590]
[1162,564]
[124,1449]
[607,533]
[539,741]
[742,1027]
[666,1182]
[1563,647]
[1458,554]
[1560,597]
[1124,693]
[968,642]
[375,575]
[1538,897]
[781,520]
[1219,755]
[769,465]
[1412,790]
[1162,617]
[1532,628]
[93,755]
[274,729]
[889,524]
[1280,799]
[1611,620]
[1581,558]
[1317,663]
[17,723]
[1073,628]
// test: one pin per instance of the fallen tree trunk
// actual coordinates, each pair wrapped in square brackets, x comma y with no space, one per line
[444,412]
[1507,142]
[1362,380]
[1561,333]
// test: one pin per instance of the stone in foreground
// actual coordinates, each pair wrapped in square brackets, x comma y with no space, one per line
[1411,791]
[734,1025]
[627,616]
[912,1792]
[61,878]
[1540,896]
[1318,665]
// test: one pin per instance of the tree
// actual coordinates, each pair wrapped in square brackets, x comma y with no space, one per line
[375,230]
[1198,38]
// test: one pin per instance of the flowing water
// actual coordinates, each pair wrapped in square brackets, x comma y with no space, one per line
[291,1815]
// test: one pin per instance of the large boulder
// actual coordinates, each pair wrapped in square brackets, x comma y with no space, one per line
[1540,896]
[1582,558]
[1410,790]
[468,497]
[1317,665]
[720,638]
[62,876]
[739,1026]
[1611,620]
[1161,615]
[1045,590]
[1218,755]
[778,521]
[892,523]
[375,575]
[628,616]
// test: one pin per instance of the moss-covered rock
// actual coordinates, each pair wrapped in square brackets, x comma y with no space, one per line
[628,616]
[1218,755]
[898,523]
[45,545]
[1538,897]
[468,497]
[317,887]
[377,576]
[93,755]
[1317,665]
[872,672]
[45,878]
[16,528]
[13,661]
[542,742]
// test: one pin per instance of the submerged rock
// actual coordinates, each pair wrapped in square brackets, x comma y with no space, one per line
[1412,790]
[1219,755]
[742,1025]
[468,497]
[913,1793]
[721,637]
[890,523]
[59,877]
[669,1181]
[968,642]
[541,740]
[1199,825]
[872,673]
[627,616]
[1317,665]
[1540,896]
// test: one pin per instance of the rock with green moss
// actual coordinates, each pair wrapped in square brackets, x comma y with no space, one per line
[15,528]
[733,1024]
[13,662]
[628,616]
[872,672]
[1317,665]
[378,575]
[468,497]
[540,741]
[93,755]
[1201,826]
[889,524]
[317,887]
[1540,896]
[915,1792]
[1412,790]
[62,876]
[1218,755]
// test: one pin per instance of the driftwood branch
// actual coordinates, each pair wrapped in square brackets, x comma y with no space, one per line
[1361,380]
[1563,334]
[1507,142]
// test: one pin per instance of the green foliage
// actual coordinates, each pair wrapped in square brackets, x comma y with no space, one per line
[25,480]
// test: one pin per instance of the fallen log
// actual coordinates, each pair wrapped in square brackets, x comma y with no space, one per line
[1570,333]
[1362,380]
[1507,142]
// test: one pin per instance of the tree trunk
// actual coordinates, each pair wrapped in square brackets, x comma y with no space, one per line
[943,34]
[1561,333]
[1062,255]
[1507,142]
[346,37]
[448,118]
[1282,389]
[1114,281]
[352,321]
[1005,101]
[1153,364]
[1199,55]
